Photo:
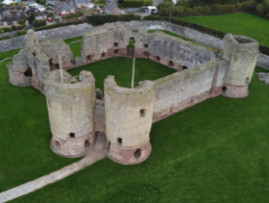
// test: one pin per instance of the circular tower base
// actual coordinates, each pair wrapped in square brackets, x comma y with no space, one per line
[128,156]
[73,147]
[235,91]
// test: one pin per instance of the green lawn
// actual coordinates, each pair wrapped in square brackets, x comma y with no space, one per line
[216,151]
[236,23]
[121,68]
[75,48]
[24,125]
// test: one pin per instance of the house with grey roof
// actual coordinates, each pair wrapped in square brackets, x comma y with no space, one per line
[65,8]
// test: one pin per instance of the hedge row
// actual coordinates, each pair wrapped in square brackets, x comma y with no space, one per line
[203,29]
[102,19]
[203,10]
[47,27]
[134,3]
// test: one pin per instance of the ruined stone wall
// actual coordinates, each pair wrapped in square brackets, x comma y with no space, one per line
[78,30]
[128,116]
[71,112]
[31,64]
[176,52]
[183,89]
[170,51]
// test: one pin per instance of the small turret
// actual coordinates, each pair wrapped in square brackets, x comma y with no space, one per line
[242,53]
[70,105]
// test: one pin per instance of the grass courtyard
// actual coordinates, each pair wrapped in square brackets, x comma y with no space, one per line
[236,23]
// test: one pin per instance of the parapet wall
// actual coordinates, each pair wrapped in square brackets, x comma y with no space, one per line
[71,105]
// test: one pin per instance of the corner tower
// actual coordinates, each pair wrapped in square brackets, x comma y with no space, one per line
[242,53]
[70,106]
[128,121]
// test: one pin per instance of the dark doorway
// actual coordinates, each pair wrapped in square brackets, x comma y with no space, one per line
[28,72]
[120,140]
[100,139]
[137,153]
[171,63]
[87,144]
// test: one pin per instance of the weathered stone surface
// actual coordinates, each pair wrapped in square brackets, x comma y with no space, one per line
[31,64]
[242,52]
[70,105]
[128,115]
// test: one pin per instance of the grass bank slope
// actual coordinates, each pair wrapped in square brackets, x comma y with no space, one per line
[236,23]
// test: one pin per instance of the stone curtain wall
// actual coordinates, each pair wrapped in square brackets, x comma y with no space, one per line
[61,32]
[78,30]
[170,51]
[187,88]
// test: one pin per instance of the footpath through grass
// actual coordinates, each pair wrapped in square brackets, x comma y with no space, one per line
[216,151]
[236,23]
[24,133]
[24,125]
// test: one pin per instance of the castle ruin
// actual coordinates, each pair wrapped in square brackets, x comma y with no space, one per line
[79,114]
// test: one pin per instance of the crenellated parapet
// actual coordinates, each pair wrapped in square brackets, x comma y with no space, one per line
[241,52]
[71,112]
[128,119]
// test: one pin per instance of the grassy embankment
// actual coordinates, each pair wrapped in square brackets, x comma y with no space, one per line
[236,23]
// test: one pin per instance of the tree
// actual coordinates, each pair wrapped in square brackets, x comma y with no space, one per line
[31,18]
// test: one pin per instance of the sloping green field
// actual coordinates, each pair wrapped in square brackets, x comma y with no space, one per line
[216,151]
[236,23]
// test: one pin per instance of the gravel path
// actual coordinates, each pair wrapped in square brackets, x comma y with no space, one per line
[92,157]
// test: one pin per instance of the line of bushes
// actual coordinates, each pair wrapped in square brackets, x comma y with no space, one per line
[263,49]
[134,3]
[102,19]
[75,15]
[166,8]
[47,27]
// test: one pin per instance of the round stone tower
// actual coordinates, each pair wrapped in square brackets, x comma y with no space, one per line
[70,102]
[242,53]
[128,121]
